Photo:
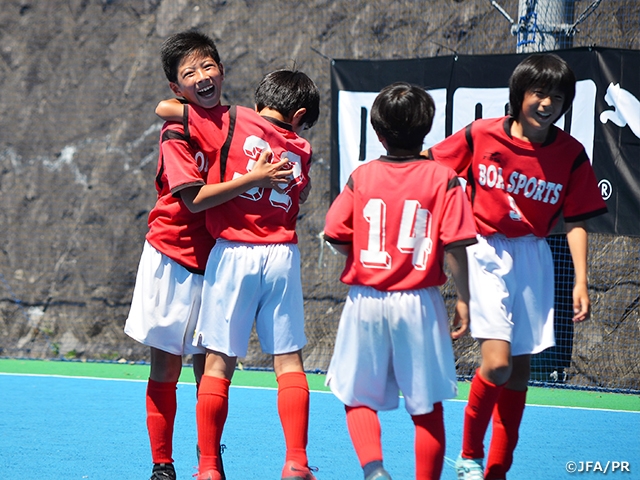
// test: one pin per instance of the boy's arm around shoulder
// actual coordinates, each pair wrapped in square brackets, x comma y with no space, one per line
[171,110]
[263,175]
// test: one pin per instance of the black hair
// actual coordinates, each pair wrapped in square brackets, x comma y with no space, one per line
[541,70]
[178,46]
[403,114]
[287,91]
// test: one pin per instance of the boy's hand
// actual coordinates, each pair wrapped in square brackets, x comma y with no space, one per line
[581,303]
[460,320]
[271,175]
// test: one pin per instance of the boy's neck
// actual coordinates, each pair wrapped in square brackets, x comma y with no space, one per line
[269,112]
[403,152]
[532,135]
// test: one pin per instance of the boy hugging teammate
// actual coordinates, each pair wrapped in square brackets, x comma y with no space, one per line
[253,271]
[167,294]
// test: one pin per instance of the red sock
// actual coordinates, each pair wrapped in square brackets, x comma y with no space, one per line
[211,414]
[429,443]
[482,398]
[507,416]
[161,414]
[293,408]
[364,429]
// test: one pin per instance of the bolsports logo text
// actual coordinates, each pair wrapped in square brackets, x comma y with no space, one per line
[519,184]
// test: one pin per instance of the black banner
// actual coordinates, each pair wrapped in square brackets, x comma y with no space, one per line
[605,116]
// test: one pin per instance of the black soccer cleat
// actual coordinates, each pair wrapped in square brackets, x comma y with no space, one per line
[163,471]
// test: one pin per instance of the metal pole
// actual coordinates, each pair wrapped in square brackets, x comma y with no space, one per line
[543,26]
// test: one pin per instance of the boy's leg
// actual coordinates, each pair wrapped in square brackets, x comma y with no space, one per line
[211,411]
[161,403]
[366,435]
[293,408]
[198,367]
[429,443]
[507,416]
[485,389]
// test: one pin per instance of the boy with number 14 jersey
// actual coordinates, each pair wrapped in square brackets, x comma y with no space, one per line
[397,219]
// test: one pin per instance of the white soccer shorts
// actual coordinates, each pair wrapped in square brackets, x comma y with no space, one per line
[511,285]
[249,282]
[392,342]
[165,304]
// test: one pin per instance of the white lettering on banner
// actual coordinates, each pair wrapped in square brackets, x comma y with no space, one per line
[626,108]
[492,102]
[467,102]
[354,127]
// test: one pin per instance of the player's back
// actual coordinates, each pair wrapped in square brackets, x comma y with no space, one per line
[403,211]
[259,215]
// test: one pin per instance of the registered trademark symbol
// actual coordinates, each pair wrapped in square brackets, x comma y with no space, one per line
[605,189]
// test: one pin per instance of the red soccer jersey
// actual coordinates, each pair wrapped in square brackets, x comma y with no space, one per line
[519,188]
[399,214]
[259,215]
[173,229]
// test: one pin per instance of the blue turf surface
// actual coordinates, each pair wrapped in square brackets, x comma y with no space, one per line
[75,428]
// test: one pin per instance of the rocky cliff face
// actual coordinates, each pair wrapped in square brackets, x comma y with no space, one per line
[78,142]
[78,149]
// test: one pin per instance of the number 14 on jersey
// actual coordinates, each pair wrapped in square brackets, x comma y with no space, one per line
[413,235]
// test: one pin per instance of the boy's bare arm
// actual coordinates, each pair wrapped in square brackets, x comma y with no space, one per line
[263,175]
[577,241]
[456,258]
[170,110]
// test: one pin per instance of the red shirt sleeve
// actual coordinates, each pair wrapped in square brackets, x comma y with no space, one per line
[339,220]
[455,151]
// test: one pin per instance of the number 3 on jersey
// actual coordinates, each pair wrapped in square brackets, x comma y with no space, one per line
[253,147]
[413,235]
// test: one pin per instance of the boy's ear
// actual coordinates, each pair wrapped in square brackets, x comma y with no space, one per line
[175,88]
[296,118]
[382,140]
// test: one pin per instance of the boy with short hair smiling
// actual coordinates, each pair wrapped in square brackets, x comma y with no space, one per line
[253,272]
[523,172]
[167,293]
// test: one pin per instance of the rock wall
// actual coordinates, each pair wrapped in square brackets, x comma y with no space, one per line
[78,148]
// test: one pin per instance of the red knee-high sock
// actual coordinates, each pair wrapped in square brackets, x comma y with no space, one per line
[293,409]
[507,415]
[211,414]
[161,414]
[482,398]
[429,443]
[366,434]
